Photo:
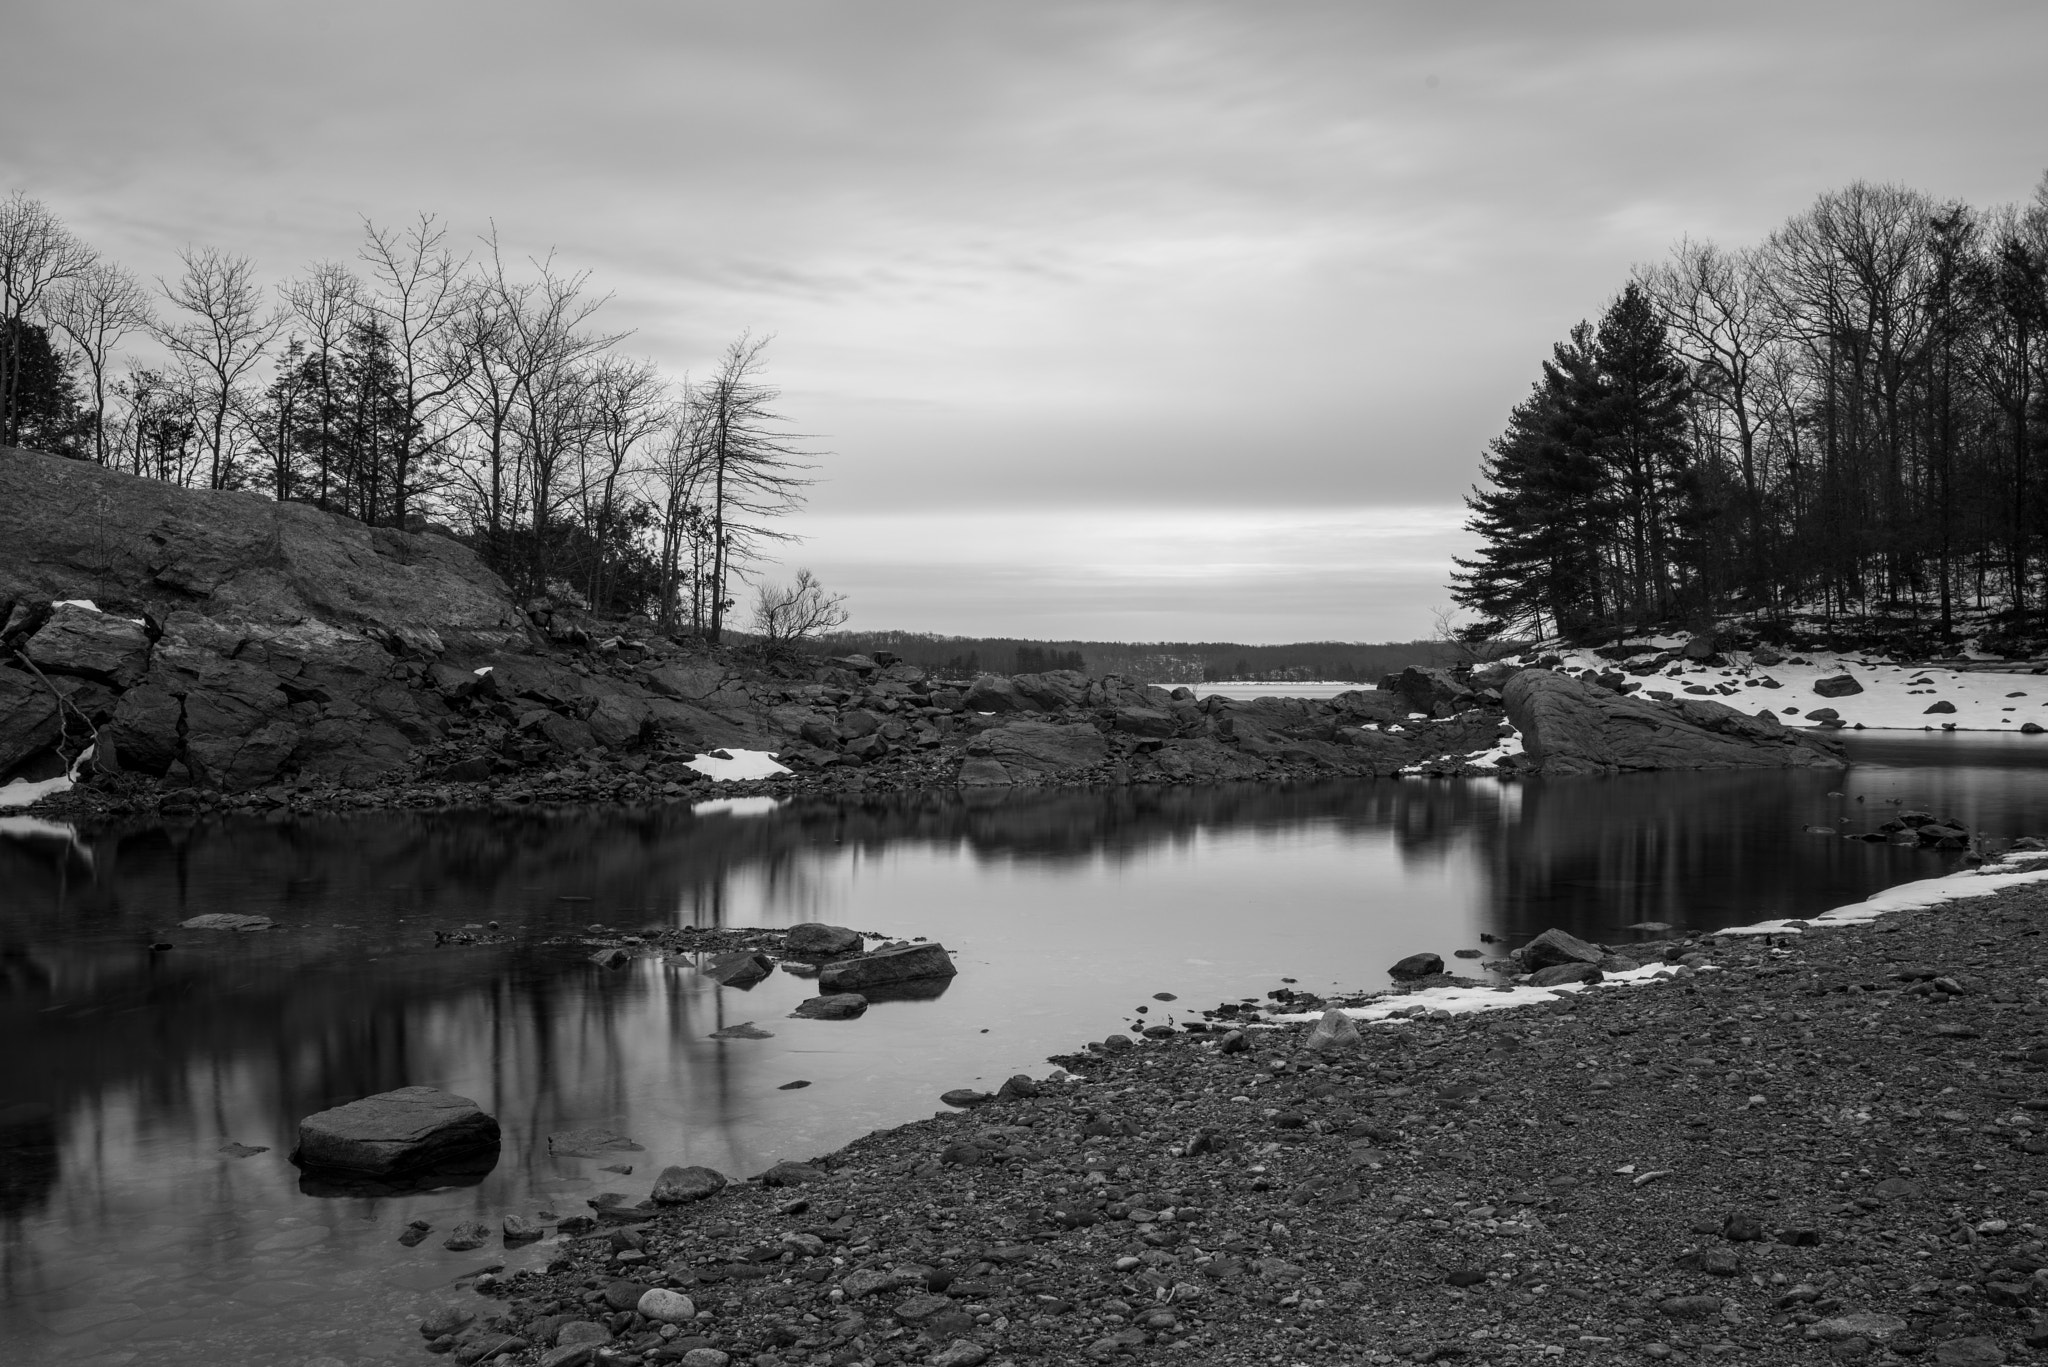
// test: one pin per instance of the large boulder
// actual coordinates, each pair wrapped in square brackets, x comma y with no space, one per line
[894,964]
[1043,748]
[70,526]
[1424,689]
[92,644]
[1556,946]
[148,729]
[29,719]
[399,1131]
[1839,686]
[995,693]
[1571,727]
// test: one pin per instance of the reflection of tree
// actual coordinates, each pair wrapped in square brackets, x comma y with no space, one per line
[1595,854]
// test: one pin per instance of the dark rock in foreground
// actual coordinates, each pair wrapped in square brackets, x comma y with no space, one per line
[1572,727]
[895,964]
[398,1131]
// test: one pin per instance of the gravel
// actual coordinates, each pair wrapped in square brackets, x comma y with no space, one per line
[1810,1150]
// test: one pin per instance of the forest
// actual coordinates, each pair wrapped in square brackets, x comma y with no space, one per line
[1848,419]
[419,386]
[1165,662]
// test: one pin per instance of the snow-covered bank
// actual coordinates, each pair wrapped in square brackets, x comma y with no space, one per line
[1891,696]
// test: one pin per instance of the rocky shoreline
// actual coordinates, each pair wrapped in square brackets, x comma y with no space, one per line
[1822,1146]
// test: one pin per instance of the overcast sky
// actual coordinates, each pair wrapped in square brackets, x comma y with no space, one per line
[1174,320]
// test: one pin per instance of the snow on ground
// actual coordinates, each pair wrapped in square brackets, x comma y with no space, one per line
[1398,1008]
[1894,698]
[21,792]
[727,765]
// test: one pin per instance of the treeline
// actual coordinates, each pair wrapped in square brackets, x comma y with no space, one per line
[418,385]
[1164,662]
[1850,417]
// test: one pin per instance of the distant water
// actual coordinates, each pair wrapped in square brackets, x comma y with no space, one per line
[127,1237]
[1281,689]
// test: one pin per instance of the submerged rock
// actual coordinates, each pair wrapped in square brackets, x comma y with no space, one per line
[839,1006]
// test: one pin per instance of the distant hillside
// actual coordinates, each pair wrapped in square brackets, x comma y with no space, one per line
[1153,662]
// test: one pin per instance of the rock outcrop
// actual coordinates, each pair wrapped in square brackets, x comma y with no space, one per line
[1570,726]
[220,643]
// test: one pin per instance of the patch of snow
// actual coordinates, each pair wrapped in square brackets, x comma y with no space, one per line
[85,603]
[729,764]
[1926,892]
[736,806]
[482,670]
[22,793]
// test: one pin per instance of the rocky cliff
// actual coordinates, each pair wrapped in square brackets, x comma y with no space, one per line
[209,642]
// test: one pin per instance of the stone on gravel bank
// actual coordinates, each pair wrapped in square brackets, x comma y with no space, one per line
[397,1131]
[681,1185]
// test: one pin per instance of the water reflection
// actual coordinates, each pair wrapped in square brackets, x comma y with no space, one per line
[125,1230]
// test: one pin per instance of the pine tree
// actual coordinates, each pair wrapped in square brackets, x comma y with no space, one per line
[45,412]
[1636,414]
[1538,520]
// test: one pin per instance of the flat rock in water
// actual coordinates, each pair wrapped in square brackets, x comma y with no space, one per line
[412,1127]
[228,920]
[590,1144]
[897,963]
[238,1150]
[740,970]
[744,1030]
[838,1006]
[815,938]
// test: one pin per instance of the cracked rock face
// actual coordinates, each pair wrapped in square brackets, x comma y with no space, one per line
[1571,727]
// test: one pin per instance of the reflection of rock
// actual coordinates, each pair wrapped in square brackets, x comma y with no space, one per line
[909,990]
[466,1170]
[28,1156]
[1571,727]
[894,964]
[406,1129]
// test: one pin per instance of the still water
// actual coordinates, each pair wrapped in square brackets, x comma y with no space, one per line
[127,1236]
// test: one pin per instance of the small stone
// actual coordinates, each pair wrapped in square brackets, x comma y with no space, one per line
[446,1319]
[1334,1031]
[1557,975]
[796,1086]
[744,1030]
[1969,1352]
[1742,1229]
[465,1236]
[667,1307]
[519,1229]
[1418,966]
[612,958]
[235,1150]
[792,1175]
[1690,1307]
[1861,1325]
[962,1353]
[964,1097]
[624,1294]
[706,1357]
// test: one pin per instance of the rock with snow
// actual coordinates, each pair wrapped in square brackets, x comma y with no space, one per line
[1570,727]
[92,645]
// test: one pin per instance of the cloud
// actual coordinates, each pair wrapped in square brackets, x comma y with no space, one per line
[1176,255]
[1256,576]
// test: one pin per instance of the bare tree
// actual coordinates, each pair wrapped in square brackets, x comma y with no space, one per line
[754,472]
[327,301]
[37,253]
[222,336]
[678,469]
[626,404]
[96,309]
[419,296]
[786,614]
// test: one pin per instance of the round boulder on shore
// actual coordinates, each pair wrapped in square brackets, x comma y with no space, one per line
[1418,966]
[815,939]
